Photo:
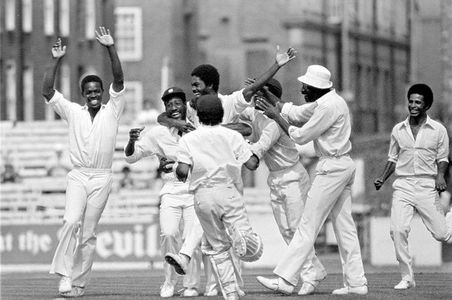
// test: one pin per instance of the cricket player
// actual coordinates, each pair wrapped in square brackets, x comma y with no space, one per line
[176,204]
[92,137]
[205,80]
[288,180]
[418,153]
[214,155]
[330,192]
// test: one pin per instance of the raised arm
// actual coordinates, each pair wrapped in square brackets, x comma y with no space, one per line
[58,51]
[280,60]
[105,39]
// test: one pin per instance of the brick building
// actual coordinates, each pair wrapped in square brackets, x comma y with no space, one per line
[28,29]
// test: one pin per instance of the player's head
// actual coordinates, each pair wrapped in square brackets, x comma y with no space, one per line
[274,86]
[175,103]
[315,82]
[210,110]
[420,99]
[205,80]
[92,89]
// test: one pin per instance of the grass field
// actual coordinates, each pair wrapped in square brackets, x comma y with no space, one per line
[432,283]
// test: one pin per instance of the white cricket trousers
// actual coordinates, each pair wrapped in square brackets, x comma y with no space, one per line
[330,194]
[86,196]
[288,191]
[190,248]
[174,209]
[219,208]
[415,194]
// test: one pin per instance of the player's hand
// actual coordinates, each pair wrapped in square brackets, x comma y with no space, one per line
[183,126]
[378,183]
[58,50]
[269,109]
[284,58]
[166,165]
[440,183]
[104,37]
[134,134]
[250,81]
[270,96]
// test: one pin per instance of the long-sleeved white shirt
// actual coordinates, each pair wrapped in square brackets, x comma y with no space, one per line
[216,155]
[91,142]
[161,141]
[329,126]
[233,105]
[269,142]
[418,157]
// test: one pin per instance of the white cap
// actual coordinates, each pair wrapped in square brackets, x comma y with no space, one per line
[317,76]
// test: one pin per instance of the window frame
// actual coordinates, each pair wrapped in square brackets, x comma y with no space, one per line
[137,53]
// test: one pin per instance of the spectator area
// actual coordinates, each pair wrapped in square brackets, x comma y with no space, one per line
[30,145]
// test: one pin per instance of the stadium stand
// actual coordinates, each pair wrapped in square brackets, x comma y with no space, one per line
[39,197]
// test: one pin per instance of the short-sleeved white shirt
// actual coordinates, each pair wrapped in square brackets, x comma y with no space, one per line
[216,155]
[418,157]
[161,141]
[91,143]
[329,126]
[233,105]
[269,142]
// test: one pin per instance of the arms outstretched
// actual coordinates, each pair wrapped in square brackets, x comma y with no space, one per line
[105,39]
[280,60]
[58,51]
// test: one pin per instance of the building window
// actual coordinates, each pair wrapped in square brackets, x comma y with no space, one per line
[90,19]
[128,31]
[11,98]
[65,17]
[10,15]
[28,94]
[49,17]
[27,16]
[133,96]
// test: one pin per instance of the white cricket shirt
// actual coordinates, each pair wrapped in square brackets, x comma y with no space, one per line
[329,126]
[91,143]
[216,155]
[233,105]
[420,156]
[161,141]
[270,143]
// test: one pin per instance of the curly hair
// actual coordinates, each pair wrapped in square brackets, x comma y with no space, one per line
[90,78]
[424,90]
[210,110]
[274,86]
[209,74]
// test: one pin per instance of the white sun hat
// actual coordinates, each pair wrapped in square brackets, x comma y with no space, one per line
[317,76]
